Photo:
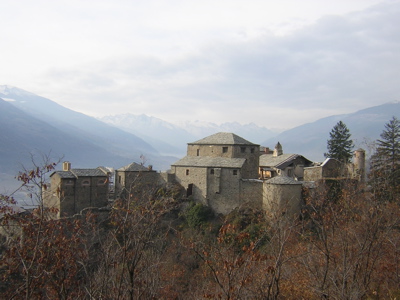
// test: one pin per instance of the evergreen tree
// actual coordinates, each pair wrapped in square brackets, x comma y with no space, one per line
[340,145]
[385,162]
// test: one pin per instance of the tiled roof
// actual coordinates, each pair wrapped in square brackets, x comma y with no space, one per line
[75,173]
[282,180]
[280,161]
[222,138]
[133,167]
[64,174]
[269,160]
[88,172]
[216,162]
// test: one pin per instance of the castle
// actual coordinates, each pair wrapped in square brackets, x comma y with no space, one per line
[223,171]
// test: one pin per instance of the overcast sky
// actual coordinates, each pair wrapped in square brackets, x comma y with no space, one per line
[275,63]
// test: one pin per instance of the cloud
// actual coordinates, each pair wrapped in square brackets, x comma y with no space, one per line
[339,64]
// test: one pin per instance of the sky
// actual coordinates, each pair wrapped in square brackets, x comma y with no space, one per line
[277,64]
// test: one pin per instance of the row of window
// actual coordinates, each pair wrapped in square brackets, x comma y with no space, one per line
[225,150]
[86,182]
[234,172]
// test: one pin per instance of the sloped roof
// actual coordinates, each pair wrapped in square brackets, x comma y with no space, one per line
[75,173]
[88,172]
[222,138]
[64,174]
[210,162]
[280,161]
[282,179]
[133,167]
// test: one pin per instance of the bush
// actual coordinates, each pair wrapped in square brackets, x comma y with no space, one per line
[198,214]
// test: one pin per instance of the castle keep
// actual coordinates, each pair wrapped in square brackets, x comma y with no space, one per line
[218,170]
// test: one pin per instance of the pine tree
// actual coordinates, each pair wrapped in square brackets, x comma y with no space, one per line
[340,145]
[385,162]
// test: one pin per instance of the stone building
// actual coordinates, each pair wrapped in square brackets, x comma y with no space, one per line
[135,180]
[72,190]
[282,194]
[218,171]
[333,169]
[279,163]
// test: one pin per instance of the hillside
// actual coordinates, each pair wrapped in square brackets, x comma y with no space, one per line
[84,140]
[22,135]
[76,123]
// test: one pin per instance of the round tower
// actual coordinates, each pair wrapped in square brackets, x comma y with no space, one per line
[359,164]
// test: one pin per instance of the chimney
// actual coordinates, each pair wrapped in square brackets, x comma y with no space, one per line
[66,166]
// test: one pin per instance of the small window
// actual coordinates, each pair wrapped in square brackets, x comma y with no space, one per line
[243,149]
[187,172]
[101,182]
[235,172]
[69,182]
[86,182]
[212,171]
[224,149]
[119,179]
[251,150]
[198,152]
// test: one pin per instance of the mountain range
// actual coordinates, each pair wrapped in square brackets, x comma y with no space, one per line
[171,139]
[310,139]
[33,124]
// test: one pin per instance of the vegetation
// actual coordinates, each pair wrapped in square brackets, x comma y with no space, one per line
[340,145]
[385,162]
[345,245]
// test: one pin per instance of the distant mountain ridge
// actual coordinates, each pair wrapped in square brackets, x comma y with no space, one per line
[310,139]
[48,126]
[171,139]
[39,123]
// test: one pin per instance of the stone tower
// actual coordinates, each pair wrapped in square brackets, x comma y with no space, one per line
[359,164]
[278,149]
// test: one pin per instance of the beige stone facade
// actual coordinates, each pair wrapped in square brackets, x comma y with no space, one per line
[73,190]
[280,163]
[222,171]
[214,170]
[282,195]
[134,180]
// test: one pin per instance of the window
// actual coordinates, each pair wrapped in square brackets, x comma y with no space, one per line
[242,149]
[86,182]
[187,172]
[69,182]
[235,172]
[212,171]
[101,182]
[198,152]
[251,150]
[224,149]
